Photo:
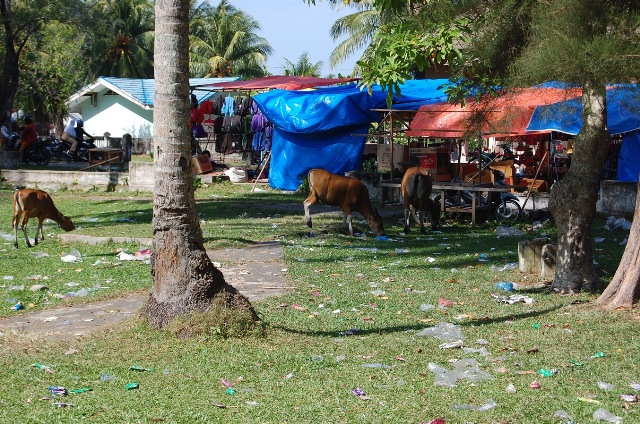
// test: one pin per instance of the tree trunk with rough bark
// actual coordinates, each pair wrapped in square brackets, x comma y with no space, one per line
[185,281]
[10,73]
[572,200]
[624,288]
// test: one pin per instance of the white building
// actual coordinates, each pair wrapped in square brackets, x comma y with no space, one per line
[121,106]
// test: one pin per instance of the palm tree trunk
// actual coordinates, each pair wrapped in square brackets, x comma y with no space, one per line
[184,278]
[572,200]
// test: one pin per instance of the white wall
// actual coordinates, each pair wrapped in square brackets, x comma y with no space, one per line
[117,116]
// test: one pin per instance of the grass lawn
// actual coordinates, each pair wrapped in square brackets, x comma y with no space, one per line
[353,323]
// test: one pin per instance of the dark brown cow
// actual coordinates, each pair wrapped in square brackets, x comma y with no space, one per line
[349,193]
[35,204]
[416,191]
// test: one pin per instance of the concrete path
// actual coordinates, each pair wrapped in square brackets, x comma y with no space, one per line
[256,271]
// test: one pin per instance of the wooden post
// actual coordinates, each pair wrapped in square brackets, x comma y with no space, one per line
[526,199]
[266,161]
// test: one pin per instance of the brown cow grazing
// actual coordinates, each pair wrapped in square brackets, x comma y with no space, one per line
[36,204]
[416,192]
[349,193]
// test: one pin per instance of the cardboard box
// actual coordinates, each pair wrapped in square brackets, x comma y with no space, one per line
[539,186]
[202,164]
[474,177]
[400,156]
[507,168]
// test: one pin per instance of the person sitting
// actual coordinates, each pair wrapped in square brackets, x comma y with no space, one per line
[29,134]
[69,135]
[80,133]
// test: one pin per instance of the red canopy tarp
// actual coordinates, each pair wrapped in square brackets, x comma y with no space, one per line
[277,81]
[502,116]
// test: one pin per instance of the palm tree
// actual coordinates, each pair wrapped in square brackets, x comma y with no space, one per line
[185,281]
[359,29]
[303,67]
[223,42]
[124,38]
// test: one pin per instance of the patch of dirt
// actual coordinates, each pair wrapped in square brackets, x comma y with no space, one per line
[256,271]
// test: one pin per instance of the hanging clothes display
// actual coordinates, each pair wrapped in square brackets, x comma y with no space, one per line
[228,108]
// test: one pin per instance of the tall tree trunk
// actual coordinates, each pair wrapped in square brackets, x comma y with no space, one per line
[572,201]
[184,278]
[10,72]
[624,288]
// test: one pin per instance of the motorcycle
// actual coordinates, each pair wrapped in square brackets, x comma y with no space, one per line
[506,210]
[13,140]
[37,153]
[60,150]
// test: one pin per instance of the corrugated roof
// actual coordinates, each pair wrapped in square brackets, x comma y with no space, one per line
[143,90]
[140,91]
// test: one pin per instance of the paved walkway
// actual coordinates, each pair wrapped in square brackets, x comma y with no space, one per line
[256,271]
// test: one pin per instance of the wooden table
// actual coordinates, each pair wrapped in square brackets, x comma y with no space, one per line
[105,156]
[475,189]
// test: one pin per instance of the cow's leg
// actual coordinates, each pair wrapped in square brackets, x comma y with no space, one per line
[421,218]
[25,221]
[39,230]
[346,222]
[349,223]
[307,203]
[407,214]
[16,219]
[434,212]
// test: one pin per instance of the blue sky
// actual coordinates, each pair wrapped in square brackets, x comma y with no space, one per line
[292,27]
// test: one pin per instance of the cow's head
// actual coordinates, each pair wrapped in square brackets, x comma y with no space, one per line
[375,223]
[66,223]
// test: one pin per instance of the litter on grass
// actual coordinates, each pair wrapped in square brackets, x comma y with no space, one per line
[444,331]
[607,387]
[514,298]
[377,365]
[468,368]
[508,231]
[141,255]
[614,223]
[489,404]
[73,256]
[603,414]
[506,267]
[563,415]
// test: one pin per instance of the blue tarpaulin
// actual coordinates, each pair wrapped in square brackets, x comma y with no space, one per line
[623,113]
[628,163]
[623,117]
[325,128]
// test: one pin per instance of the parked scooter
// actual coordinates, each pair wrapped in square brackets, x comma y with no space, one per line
[37,153]
[506,210]
[13,140]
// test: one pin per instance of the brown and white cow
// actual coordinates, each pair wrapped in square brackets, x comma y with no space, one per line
[416,192]
[37,204]
[349,193]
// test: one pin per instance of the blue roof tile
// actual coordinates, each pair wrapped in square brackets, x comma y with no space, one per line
[143,90]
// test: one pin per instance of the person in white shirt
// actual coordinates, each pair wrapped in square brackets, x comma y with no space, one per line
[69,135]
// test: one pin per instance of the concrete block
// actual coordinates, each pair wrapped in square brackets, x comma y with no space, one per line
[549,252]
[530,254]
[618,196]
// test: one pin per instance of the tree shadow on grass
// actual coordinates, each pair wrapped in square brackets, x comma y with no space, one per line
[405,328]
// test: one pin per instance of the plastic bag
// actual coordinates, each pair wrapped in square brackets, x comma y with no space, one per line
[236,175]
